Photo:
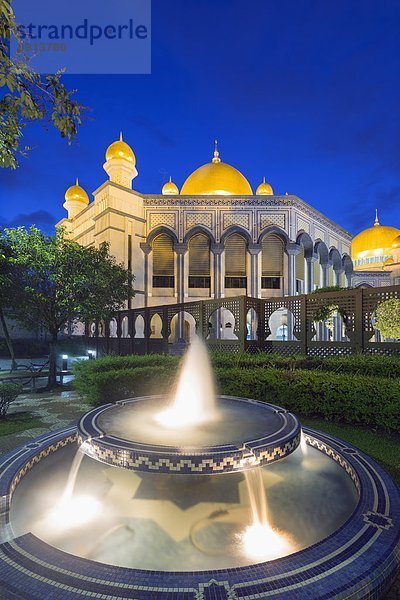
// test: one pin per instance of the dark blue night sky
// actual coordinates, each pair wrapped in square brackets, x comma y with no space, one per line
[306,93]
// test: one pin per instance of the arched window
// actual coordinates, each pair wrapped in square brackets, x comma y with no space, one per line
[163,262]
[235,262]
[272,263]
[199,261]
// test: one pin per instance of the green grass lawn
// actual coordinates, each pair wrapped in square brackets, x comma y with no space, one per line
[18,422]
[383,447]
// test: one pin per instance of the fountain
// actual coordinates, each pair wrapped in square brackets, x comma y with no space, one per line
[195,496]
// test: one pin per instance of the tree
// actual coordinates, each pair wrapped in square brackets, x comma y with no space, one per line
[29,96]
[7,275]
[325,311]
[388,318]
[60,280]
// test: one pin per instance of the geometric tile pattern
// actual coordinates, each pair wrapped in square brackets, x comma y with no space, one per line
[229,219]
[193,219]
[157,219]
[377,520]
[357,561]
[277,444]
[267,219]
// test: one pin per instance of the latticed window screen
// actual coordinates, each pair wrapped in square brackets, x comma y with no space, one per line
[272,256]
[199,256]
[163,255]
[235,256]
[163,262]
[300,265]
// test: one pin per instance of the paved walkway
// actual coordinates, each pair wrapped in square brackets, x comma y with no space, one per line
[55,410]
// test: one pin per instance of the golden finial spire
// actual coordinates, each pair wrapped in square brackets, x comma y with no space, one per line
[216,158]
[120,137]
[77,181]
[376,218]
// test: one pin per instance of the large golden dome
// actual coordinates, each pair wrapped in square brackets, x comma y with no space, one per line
[120,150]
[216,179]
[396,242]
[371,247]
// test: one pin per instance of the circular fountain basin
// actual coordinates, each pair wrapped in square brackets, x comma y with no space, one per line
[250,433]
[353,554]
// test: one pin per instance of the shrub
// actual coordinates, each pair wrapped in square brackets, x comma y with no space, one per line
[372,401]
[8,393]
[373,365]
[388,318]
[103,387]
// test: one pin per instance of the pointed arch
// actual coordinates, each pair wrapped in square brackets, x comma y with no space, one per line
[321,249]
[236,229]
[162,229]
[335,259]
[303,239]
[199,229]
[276,231]
[347,264]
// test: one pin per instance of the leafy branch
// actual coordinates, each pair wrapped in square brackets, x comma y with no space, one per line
[29,96]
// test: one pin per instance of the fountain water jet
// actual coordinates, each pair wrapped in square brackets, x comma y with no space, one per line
[193,401]
[260,540]
[70,510]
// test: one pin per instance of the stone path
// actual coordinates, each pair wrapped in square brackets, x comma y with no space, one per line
[55,410]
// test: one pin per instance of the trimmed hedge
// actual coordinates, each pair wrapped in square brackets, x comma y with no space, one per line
[339,394]
[357,364]
[356,399]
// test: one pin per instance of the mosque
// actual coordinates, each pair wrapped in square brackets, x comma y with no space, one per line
[216,237]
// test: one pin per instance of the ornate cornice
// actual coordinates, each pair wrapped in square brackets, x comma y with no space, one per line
[292,201]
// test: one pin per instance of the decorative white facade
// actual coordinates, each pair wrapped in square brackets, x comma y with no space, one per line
[208,245]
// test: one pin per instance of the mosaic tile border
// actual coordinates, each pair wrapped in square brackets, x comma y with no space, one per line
[359,560]
[199,461]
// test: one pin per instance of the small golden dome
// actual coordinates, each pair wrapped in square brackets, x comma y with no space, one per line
[169,188]
[396,242]
[76,193]
[264,189]
[216,179]
[120,150]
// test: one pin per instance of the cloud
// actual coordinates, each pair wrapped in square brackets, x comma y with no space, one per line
[40,218]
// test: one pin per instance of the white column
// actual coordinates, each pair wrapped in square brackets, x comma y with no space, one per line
[255,280]
[180,250]
[325,275]
[148,271]
[292,250]
[218,275]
